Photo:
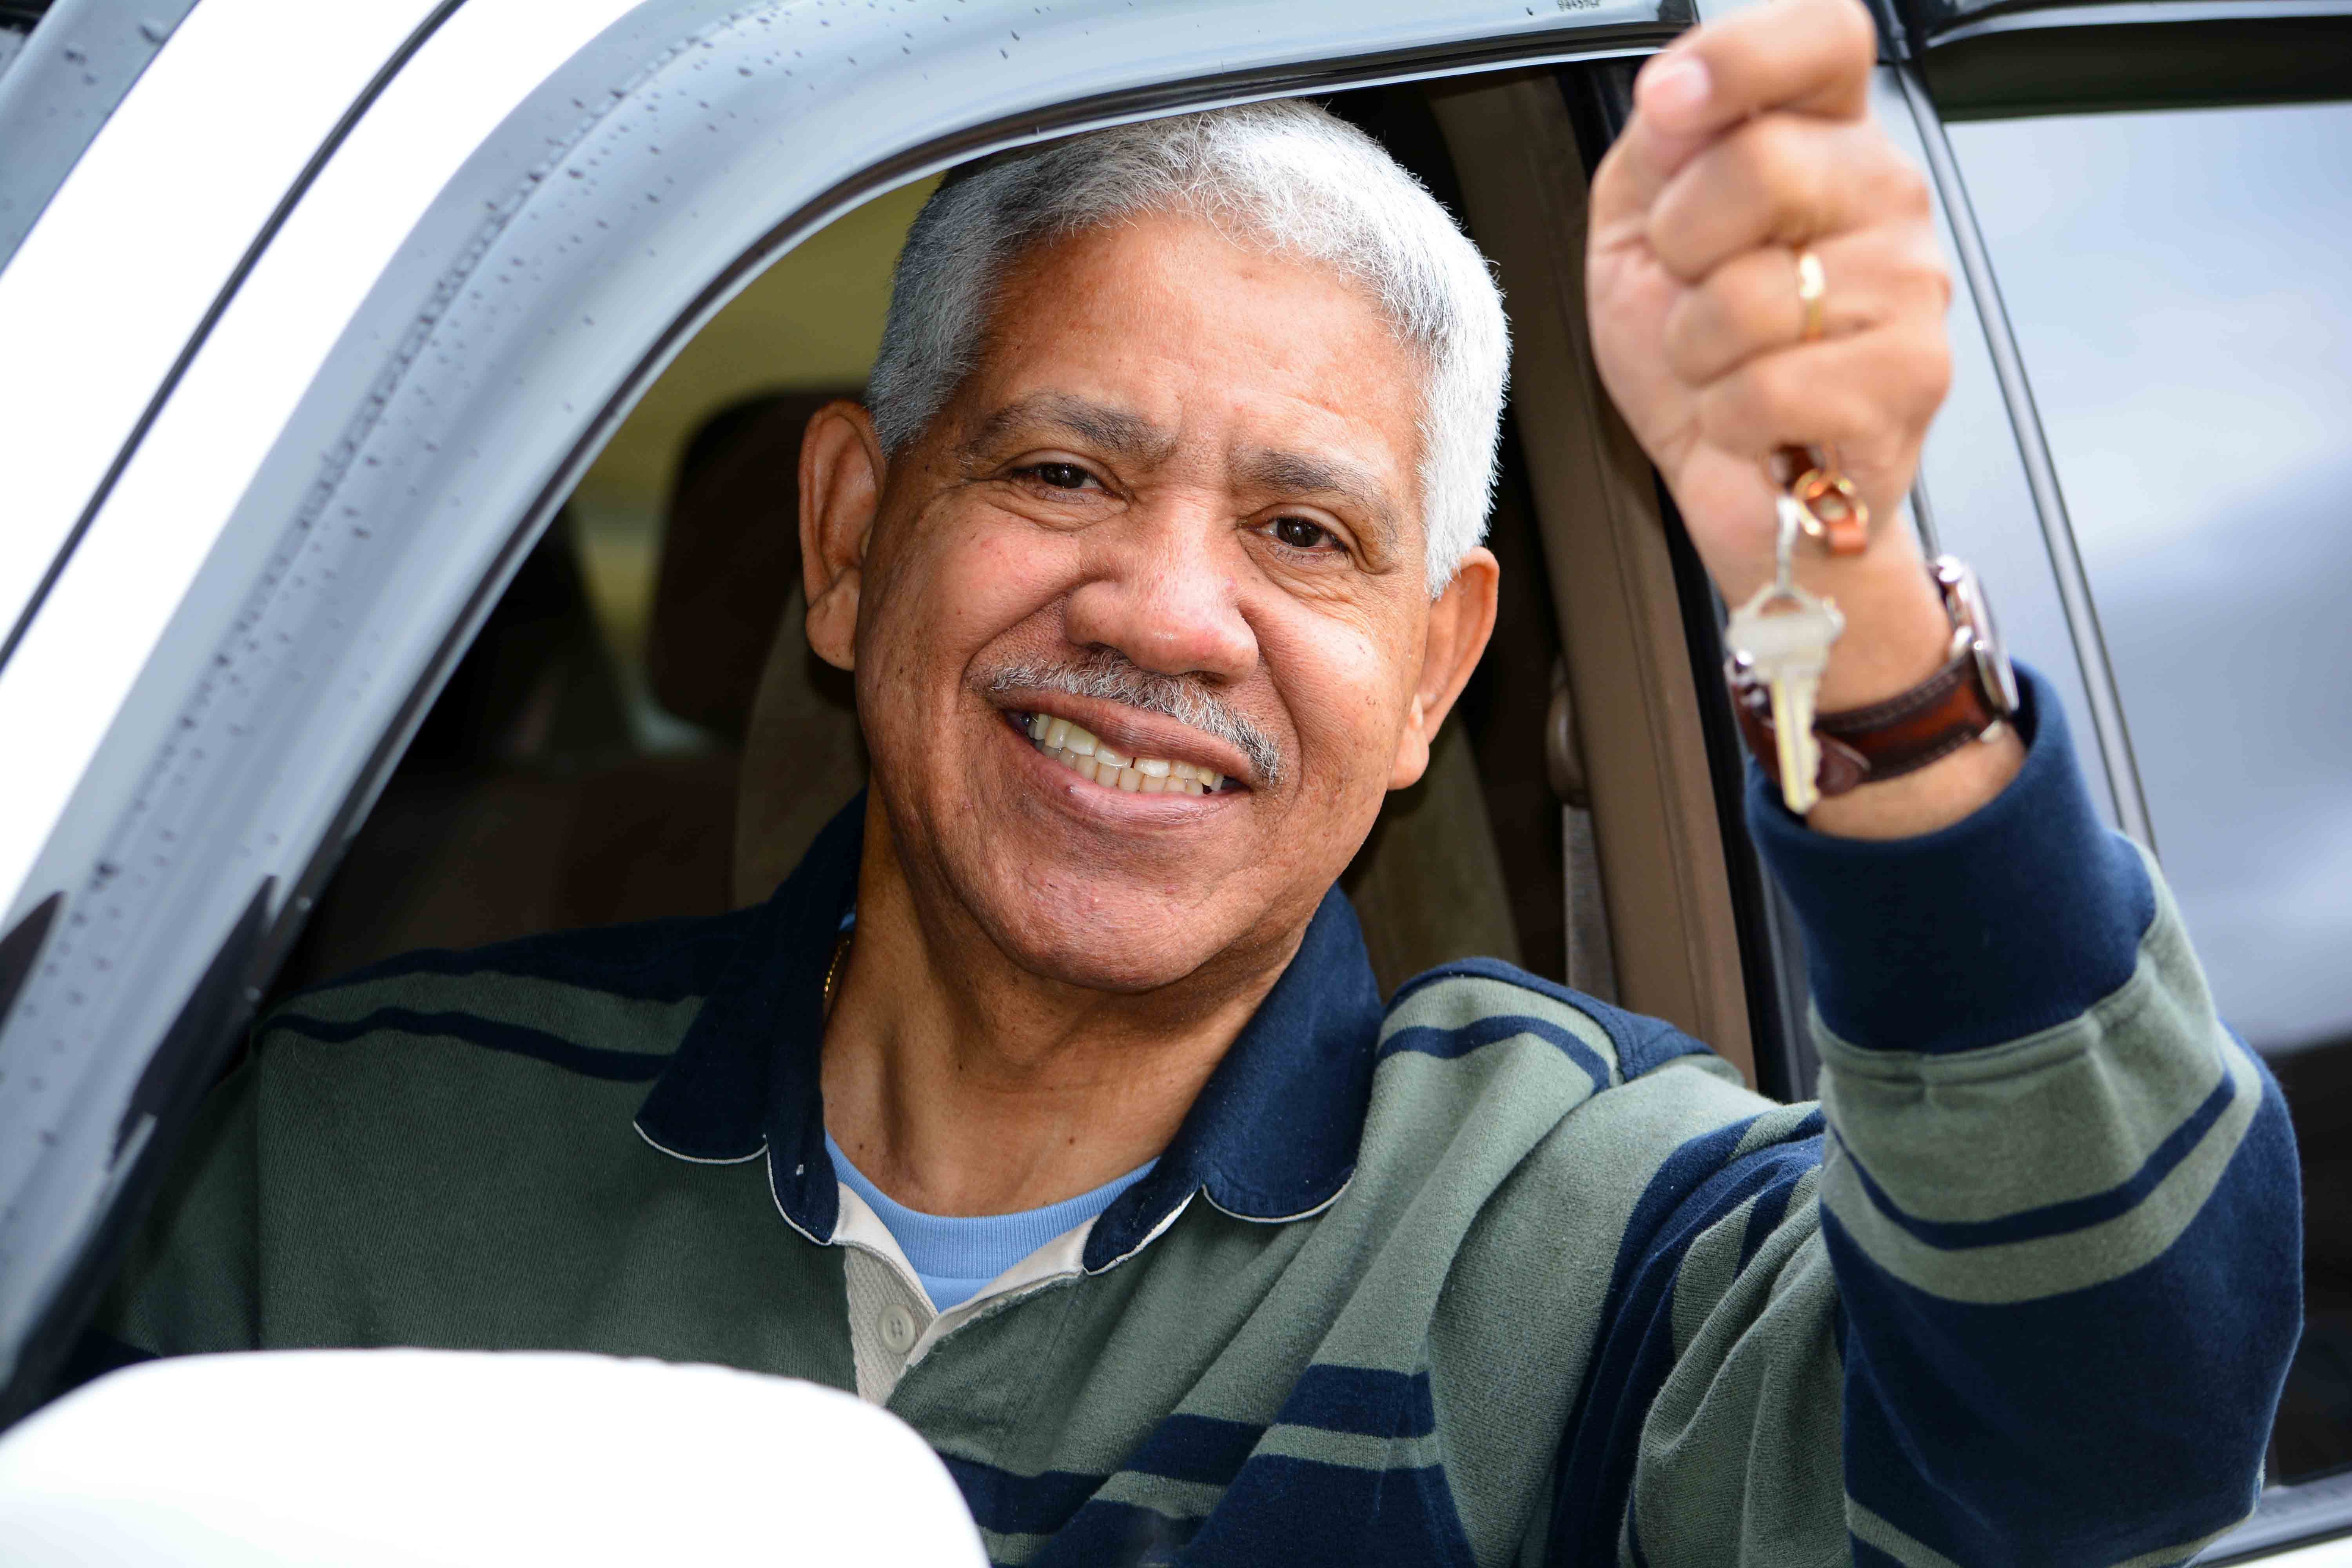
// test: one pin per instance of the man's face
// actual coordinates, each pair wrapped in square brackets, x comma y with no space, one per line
[1183,474]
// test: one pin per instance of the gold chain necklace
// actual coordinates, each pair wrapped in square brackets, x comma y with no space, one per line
[832,970]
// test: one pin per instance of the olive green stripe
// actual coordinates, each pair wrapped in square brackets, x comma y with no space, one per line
[574,1013]
[1709,1266]
[1873,1530]
[1003,1548]
[1351,1450]
[2050,1265]
[1464,1000]
[2069,1113]
[1174,1500]
[1777,1125]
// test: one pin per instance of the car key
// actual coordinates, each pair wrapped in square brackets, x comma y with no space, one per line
[1787,652]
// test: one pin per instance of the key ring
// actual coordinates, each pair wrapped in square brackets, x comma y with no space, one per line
[1832,510]
[1790,514]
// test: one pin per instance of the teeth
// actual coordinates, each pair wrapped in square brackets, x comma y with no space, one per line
[1093,759]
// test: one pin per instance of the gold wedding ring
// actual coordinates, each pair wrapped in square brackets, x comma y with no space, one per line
[1812,293]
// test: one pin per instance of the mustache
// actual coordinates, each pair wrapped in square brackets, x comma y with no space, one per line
[1109,675]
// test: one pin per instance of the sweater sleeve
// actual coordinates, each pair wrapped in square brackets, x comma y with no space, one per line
[2036,1300]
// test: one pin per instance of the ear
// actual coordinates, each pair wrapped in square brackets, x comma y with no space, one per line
[1460,622]
[841,487]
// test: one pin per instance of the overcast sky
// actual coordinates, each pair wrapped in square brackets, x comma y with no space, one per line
[2181,288]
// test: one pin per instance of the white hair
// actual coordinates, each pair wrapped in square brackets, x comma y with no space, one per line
[1285,176]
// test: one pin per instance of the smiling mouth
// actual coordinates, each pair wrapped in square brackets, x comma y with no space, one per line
[1081,751]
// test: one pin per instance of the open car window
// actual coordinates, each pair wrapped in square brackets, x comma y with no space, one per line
[366,444]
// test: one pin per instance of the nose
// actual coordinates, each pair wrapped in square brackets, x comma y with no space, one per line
[1164,588]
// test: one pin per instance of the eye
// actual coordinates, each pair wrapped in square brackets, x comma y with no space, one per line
[1057,476]
[1301,534]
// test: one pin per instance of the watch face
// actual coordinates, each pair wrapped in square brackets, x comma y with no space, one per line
[1972,609]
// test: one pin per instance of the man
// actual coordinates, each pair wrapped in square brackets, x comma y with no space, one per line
[1050,1101]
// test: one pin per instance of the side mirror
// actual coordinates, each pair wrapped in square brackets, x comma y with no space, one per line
[377,1459]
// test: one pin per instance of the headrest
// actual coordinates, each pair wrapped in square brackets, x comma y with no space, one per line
[730,555]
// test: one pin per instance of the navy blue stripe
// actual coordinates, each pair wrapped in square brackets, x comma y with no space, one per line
[1116,1533]
[2015,919]
[2090,1426]
[1397,1514]
[649,961]
[1011,1504]
[1449,1043]
[1771,1207]
[516,1039]
[1303,1513]
[1866,1555]
[1642,1043]
[1198,1448]
[2074,1213]
[1362,1400]
[1696,1187]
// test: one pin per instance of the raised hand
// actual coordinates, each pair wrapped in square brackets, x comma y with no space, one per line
[1750,142]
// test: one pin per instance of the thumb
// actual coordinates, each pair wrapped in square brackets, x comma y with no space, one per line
[1673,119]
[1806,57]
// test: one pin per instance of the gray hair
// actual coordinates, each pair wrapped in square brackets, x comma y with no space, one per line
[1283,176]
[1110,676]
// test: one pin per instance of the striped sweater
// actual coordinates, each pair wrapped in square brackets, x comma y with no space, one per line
[1491,1274]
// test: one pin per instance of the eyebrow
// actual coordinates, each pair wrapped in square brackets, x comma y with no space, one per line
[1114,430]
[1299,474]
[1130,435]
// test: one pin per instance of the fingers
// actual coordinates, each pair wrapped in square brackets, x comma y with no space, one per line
[1870,394]
[1749,306]
[1811,57]
[1805,56]
[1781,180]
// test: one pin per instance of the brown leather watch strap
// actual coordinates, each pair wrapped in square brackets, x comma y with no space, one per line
[1885,740]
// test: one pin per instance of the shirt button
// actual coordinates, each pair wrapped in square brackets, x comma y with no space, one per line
[898,1329]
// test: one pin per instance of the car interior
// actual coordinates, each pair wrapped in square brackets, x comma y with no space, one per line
[641,731]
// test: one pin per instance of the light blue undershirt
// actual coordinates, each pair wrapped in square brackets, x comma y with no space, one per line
[955,1254]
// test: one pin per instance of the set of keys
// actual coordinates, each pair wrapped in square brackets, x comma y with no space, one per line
[1780,639]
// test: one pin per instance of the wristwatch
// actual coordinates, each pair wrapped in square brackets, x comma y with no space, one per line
[1969,698]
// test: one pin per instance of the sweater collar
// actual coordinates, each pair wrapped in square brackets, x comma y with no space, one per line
[1271,1137]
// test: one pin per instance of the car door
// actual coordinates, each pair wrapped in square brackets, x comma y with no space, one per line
[241,588]
[487,248]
